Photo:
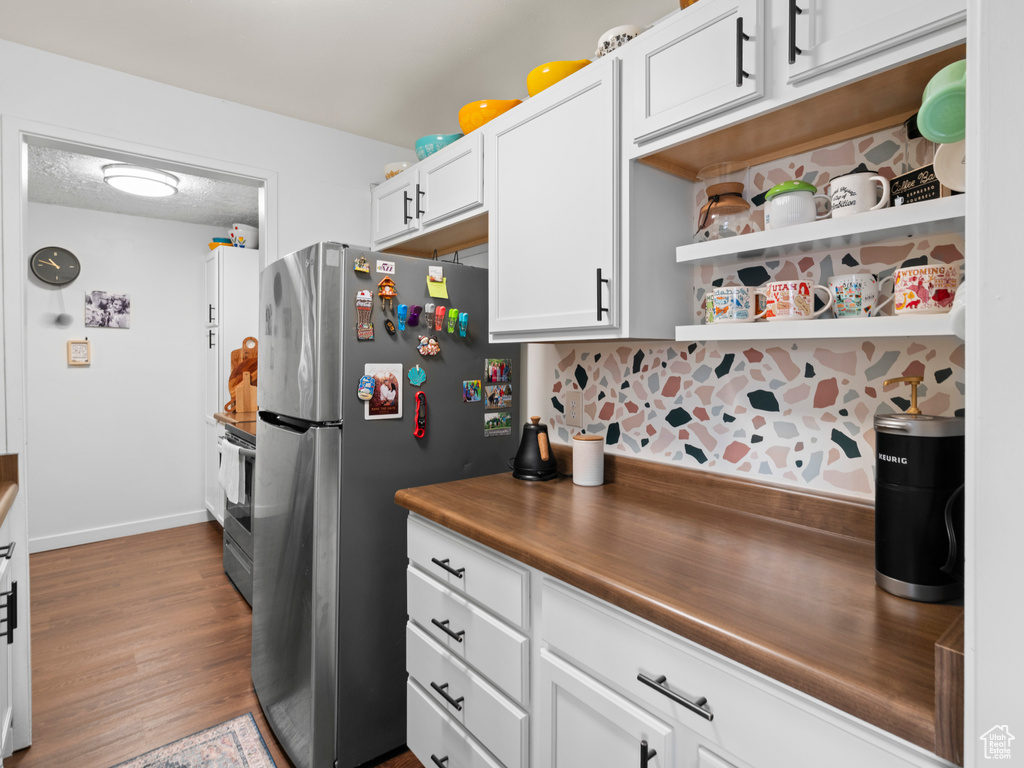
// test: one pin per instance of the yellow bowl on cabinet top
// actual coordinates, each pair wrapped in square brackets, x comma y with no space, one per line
[548,74]
[477,113]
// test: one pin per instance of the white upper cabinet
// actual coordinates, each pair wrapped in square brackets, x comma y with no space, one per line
[391,208]
[822,36]
[445,188]
[451,181]
[553,186]
[707,59]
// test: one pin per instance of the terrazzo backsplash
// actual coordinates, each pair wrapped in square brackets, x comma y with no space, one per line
[794,413]
[798,413]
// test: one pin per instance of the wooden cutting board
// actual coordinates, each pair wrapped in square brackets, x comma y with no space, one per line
[244,362]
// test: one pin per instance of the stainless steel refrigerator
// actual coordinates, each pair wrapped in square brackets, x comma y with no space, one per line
[329,599]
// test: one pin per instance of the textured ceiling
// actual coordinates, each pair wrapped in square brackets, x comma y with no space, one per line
[61,177]
[392,70]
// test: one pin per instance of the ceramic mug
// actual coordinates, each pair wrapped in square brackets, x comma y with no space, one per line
[795,207]
[926,290]
[794,300]
[857,295]
[856,193]
[737,304]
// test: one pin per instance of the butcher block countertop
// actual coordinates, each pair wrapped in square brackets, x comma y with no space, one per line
[778,580]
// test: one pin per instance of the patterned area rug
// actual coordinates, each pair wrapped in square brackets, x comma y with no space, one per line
[237,743]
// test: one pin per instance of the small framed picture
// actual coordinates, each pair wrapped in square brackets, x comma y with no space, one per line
[497,424]
[386,402]
[498,396]
[497,370]
[79,352]
[471,391]
[108,310]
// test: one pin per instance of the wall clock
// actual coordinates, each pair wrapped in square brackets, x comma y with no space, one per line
[55,265]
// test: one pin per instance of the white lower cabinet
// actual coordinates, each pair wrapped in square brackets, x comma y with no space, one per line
[586,724]
[213,494]
[583,684]
[468,668]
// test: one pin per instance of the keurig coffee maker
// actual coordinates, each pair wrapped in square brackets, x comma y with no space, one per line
[919,502]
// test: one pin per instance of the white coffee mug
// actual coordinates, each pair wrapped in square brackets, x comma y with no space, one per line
[794,300]
[737,304]
[857,193]
[926,290]
[857,295]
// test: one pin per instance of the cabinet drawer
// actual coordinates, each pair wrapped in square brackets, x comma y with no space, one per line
[755,720]
[492,718]
[494,649]
[435,739]
[496,583]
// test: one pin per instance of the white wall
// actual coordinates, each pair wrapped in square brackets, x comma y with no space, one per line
[117,446]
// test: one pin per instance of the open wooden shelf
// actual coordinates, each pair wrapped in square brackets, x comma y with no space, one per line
[446,239]
[862,107]
[930,217]
[821,328]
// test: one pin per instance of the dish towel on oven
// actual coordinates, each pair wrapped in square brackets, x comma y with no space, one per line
[230,472]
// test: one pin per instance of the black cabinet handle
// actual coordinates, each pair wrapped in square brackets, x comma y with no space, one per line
[6,552]
[444,564]
[405,207]
[442,691]
[741,37]
[600,280]
[443,626]
[10,617]
[439,761]
[419,194]
[658,684]
[210,313]
[646,754]
[210,341]
[794,11]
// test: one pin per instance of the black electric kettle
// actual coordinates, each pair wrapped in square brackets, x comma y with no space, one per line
[534,461]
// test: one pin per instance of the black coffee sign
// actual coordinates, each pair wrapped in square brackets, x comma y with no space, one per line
[915,186]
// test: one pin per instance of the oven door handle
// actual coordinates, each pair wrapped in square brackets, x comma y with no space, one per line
[247,452]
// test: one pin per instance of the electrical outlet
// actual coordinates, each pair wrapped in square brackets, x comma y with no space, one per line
[574,409]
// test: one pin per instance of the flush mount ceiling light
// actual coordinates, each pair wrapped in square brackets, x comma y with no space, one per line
[137,180]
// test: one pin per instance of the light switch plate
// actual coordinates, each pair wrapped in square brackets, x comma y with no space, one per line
[574,409]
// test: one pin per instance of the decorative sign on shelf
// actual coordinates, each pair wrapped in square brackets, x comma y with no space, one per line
[918,185]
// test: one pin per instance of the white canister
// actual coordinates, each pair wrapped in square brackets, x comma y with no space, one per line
[792,202]
[587,459]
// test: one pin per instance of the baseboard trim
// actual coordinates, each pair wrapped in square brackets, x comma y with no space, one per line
[74,538]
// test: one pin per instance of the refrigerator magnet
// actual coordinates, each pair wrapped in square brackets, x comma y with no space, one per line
[386,401]
[471,391]
[367,385]
[498,370]
[498,396]
[497,424]
[361,265]
[417,376]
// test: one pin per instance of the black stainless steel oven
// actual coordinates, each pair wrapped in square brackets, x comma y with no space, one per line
[238,516]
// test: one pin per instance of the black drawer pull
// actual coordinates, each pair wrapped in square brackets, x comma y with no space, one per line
[405,207]
[442,691]
[439,761]
[658,684]
[444,564]
[646,754]
[794,11]
[741,36]
[6,552]
[10,615]
[443,626]
[601,309]
[210,339]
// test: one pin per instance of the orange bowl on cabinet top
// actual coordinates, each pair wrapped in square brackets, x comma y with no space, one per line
[548,74]
[477,113]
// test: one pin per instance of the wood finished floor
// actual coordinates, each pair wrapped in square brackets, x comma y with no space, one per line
[137,642]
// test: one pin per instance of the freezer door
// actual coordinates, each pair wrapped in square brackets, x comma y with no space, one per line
[295,577]
[300,331]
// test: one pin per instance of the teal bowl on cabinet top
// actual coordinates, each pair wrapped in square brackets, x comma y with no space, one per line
[428,145]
